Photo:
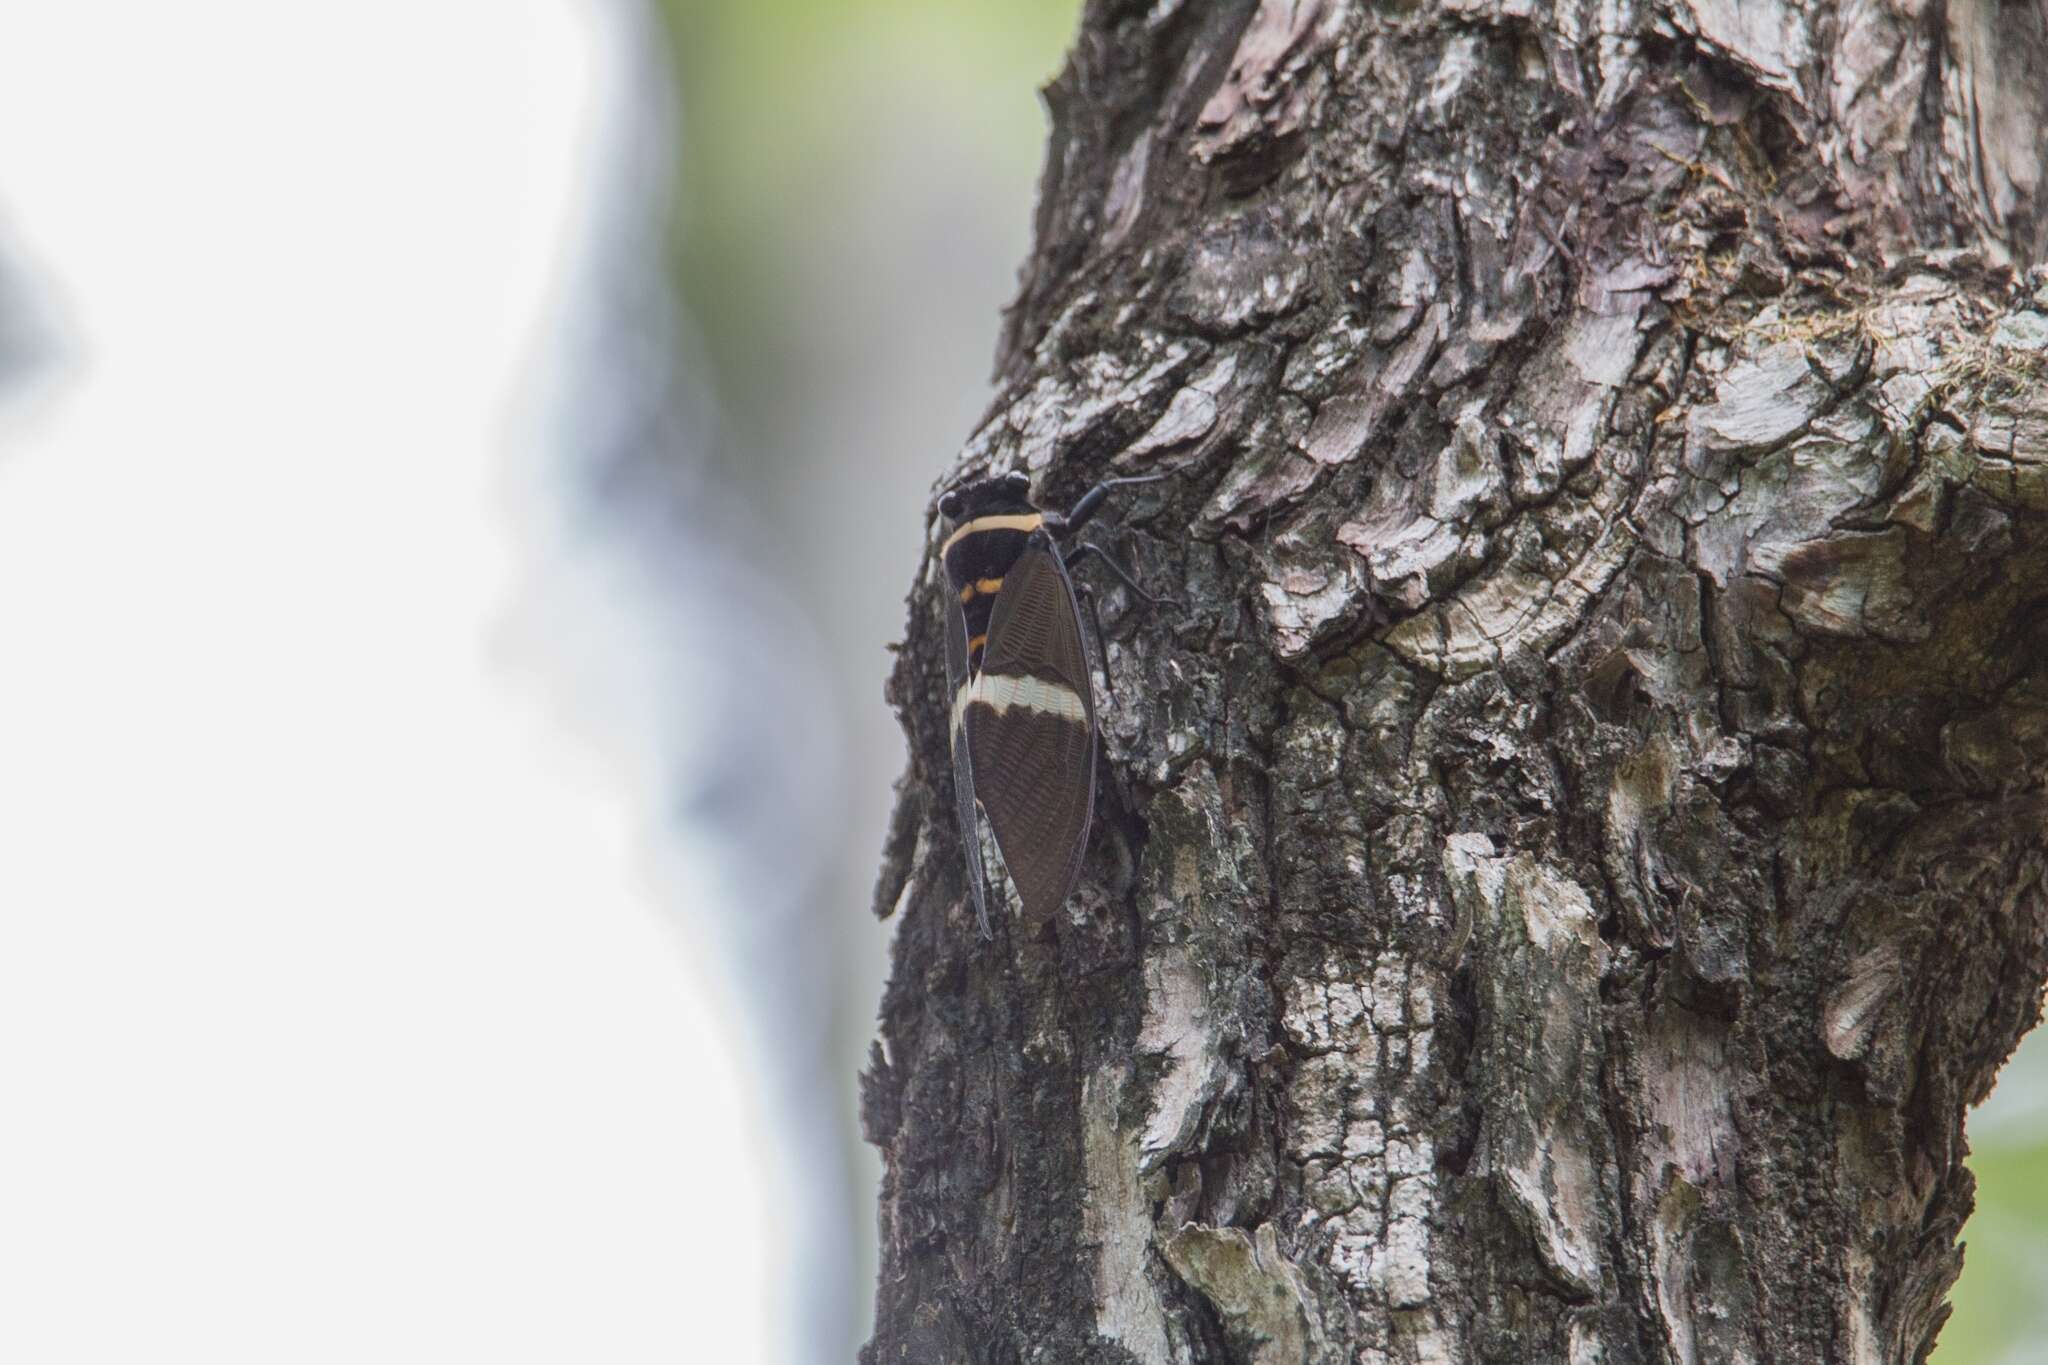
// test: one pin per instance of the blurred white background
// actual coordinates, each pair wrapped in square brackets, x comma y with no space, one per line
[342,1017]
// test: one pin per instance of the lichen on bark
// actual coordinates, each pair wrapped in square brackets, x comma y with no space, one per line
[1564,874]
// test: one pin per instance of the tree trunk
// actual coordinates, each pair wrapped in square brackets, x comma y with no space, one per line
[1562,877]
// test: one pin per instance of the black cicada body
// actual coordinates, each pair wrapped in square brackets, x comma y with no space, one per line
[1023,713]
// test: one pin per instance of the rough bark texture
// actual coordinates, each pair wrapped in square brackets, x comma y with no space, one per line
[1565,874]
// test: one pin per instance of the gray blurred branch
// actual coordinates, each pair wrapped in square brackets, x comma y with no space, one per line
[718,708]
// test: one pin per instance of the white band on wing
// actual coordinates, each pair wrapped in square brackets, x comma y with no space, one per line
[1001,691]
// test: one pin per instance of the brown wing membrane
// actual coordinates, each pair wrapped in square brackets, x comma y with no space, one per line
[1035,758]
[963,765]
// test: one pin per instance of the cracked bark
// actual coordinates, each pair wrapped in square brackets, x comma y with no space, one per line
[1561,881]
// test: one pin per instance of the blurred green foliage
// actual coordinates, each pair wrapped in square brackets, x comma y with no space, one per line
[2001,1301]
[785,106]
[793,109]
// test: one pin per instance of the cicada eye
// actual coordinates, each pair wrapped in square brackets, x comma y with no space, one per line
[949,506]
[1018,482]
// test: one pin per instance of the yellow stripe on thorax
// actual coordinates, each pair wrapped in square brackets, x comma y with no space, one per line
[980,587]
[1018,521]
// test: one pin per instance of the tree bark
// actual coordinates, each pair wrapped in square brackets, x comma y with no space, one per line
[1562,878]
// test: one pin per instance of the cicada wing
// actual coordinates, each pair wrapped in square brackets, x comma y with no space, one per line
[960,681]
[1030,726]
